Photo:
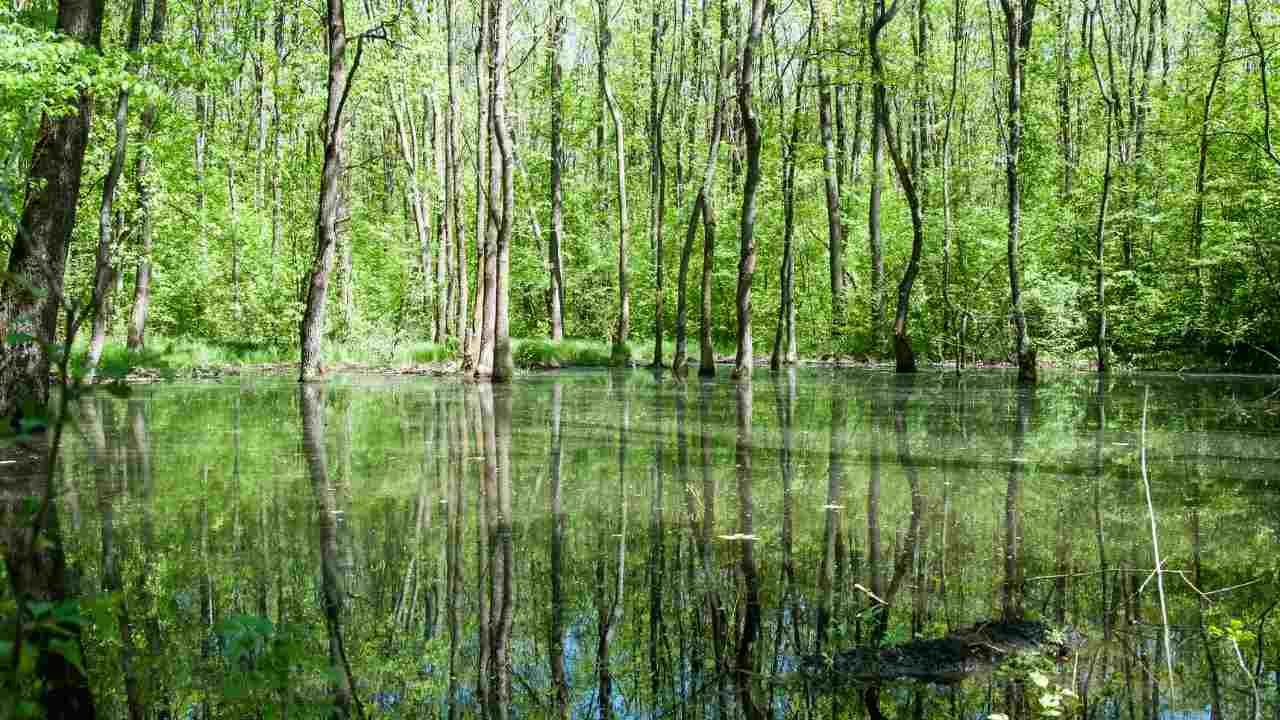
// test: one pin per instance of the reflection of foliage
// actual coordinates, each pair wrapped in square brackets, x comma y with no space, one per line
[231,508]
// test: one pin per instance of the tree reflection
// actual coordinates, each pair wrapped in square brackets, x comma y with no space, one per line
[332,580]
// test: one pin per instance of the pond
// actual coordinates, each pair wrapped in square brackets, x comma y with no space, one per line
[595,544]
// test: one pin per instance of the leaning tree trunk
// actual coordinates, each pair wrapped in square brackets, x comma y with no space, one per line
[904,356]
[621,352]
[744,362]
[104,268]
[701,210]
[339,85]
[142,279]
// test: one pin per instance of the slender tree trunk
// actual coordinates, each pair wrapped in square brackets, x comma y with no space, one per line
[142,278]
[902,351]
[784,341]
[501,196]
[453,203]
[1100,227]
[1019,16]
[471,359]
[326,228]
[657,178]
[831,187]
[874,243]
[555,296]
[444,233]
[707,359]
[104,268]
[1223,16]
[621,354]
[760,9]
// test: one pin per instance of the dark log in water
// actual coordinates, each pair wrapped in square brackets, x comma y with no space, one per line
[948,659]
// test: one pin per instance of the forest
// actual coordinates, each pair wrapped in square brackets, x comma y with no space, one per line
[1073,183]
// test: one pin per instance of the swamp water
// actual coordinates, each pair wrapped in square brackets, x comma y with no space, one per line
[593,544]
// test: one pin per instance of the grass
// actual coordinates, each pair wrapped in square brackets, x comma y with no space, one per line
[175,357]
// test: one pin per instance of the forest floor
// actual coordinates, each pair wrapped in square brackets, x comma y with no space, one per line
[190,359]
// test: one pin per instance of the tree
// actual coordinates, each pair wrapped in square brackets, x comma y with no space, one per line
[31,291]
[555,293]
[903,354]
[702,211]
[621,354]
[760,10]
[1019,16]
[326,228]
[105,270]
[142,277]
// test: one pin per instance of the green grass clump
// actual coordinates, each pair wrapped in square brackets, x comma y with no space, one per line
[544,353]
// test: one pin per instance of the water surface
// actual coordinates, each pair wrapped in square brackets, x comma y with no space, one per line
[595,544]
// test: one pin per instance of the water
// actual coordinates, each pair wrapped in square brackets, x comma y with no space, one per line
[621,545]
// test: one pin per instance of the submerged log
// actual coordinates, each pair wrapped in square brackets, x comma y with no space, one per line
[950,659]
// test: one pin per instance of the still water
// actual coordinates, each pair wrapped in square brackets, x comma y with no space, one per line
[592,544]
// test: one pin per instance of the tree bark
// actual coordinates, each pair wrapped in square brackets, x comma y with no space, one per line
[555,297]
[760,9]
[831,187]
[326,228]
[784,340]
[1019,16]
[501,193]
[1197,217]
[104,267]
[621,354]
[142,278]
[905,358]
[657,177]
[31,294]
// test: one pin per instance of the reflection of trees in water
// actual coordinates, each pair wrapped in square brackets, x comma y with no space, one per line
[333,582]
[531,597]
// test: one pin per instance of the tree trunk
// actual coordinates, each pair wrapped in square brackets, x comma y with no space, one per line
[1019,16]
[501,195]
[621,354]
[831,187]
[657,177]
[555,297]
[31,293]
[760,9]
[1111,102]
[452,188]
[784,340]
[142,279]
[1197,218]
[707,359]
[472,349]
[701,210]
[873,218]
[905,358]
[104,268]
[326,228]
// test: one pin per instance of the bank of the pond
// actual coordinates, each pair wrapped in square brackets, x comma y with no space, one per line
[195,359]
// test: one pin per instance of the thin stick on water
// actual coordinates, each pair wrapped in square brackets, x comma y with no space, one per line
[1155,546]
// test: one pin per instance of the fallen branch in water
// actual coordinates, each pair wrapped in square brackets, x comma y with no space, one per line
[948,659]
